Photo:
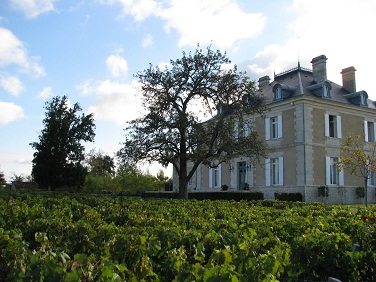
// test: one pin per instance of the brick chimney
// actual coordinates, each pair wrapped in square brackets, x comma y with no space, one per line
[263,82]
[319,68]
[348,79]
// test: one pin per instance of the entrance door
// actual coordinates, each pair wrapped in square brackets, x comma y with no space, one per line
[241,175]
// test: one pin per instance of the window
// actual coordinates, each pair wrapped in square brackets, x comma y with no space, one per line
[372,179]
[369,131]
[274,171]
[325,91]
[273,127]
[241,129]
[333,175]
[278,93]
[362,100]
[215,177]
[333,126]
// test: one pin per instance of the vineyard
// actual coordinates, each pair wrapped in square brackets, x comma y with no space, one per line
[63,237]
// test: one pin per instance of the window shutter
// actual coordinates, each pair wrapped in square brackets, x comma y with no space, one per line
[220,175]
[327,168]
[280,165]
[366,131]
[341,180]
[374,131]
[267,172]
[326,120]
[210,177]
[236,129]
[280,126]
[339,127]
[267,128]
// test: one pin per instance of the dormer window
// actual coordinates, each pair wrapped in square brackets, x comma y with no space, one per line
[282,91]
[321,89]
[358,98]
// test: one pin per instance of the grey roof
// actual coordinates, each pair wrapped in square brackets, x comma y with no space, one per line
[301,78]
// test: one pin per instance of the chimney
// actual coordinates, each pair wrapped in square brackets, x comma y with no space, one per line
[348,79]
[263,82]
[319,68]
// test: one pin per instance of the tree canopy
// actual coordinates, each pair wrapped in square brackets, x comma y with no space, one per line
[59,152]
[99,163]
[198,110]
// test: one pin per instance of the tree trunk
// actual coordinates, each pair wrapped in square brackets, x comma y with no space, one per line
[183,180]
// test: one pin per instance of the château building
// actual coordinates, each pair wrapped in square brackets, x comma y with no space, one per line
[310,116]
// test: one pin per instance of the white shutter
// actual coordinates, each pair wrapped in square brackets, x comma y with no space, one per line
[339,127]
[374,131]
[366,131]
[267,172]
[280,126]
[210,177]
[220,175]
[267,128]
[327,169]
[326,120]
[341,179]
[280,166]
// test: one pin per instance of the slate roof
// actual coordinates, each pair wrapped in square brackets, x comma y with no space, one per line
[301,78]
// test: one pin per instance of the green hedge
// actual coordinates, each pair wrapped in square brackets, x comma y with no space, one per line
[289,197]
[225,195]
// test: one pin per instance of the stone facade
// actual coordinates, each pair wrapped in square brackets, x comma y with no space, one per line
[311,120]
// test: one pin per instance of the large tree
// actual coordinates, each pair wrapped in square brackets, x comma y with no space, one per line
[59,153]
[195,110]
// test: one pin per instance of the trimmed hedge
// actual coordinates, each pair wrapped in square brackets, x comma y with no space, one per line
[289,197]
[237,196]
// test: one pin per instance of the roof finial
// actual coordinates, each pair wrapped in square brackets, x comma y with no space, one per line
[298,54]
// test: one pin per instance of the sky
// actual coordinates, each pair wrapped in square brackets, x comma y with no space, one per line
[89,50]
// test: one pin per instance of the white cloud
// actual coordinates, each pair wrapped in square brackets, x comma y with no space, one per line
[221,22]
[116,102]
[117,65]
[147,41]
[33,8]
[86,88]
[10,112]
[11,84]
[46,93]
[13,52]
[343,36]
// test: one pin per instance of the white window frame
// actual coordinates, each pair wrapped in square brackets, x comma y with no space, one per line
[372,180]
[337,130]
[274,167]
[277,129]
[369,131]
[215,176]
[332,170]
[241,129]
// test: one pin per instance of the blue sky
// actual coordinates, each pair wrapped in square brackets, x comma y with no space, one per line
[90,49]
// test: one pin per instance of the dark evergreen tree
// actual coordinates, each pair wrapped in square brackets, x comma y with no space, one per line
[59,153]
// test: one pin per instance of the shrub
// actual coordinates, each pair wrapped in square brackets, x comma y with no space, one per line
[360,192]
[323,191]
[289,197]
